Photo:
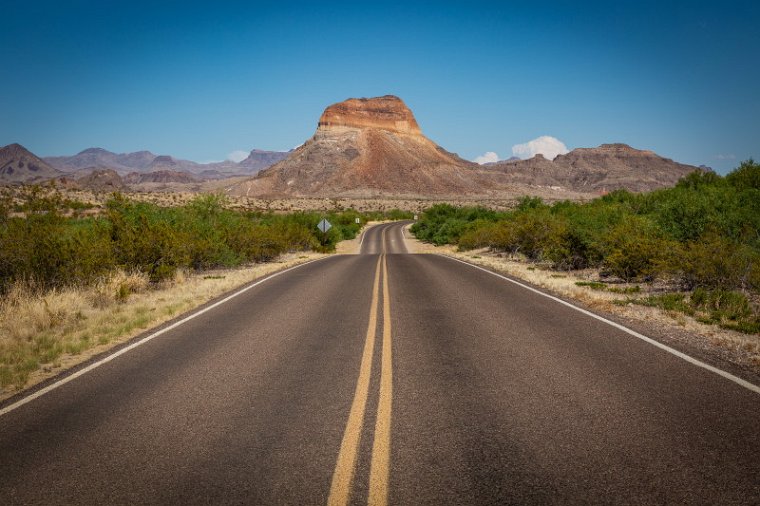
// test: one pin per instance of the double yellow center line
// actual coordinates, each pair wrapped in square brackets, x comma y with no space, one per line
[340,490]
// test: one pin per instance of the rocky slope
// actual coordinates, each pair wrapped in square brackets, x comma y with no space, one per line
[102,180]
[19,165]
[596,170]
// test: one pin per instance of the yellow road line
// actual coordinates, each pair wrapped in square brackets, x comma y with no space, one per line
[340,490]
[379,473]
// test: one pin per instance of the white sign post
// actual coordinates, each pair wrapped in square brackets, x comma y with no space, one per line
[324,226]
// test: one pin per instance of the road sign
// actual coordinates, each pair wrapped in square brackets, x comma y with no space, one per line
[324,225]
[415,217]
[358,221]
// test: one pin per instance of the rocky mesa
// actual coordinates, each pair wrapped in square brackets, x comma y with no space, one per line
[374,147]
[370,147]
[388,113]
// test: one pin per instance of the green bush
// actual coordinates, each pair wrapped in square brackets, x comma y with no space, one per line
[714,261]
[50,249]
[445,224]
[635,249]
[721,304]
[746,176]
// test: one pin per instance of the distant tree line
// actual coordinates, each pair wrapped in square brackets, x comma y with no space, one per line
[41,244]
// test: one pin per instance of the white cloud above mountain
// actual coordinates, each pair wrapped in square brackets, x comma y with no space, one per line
[545,145]
[487,157]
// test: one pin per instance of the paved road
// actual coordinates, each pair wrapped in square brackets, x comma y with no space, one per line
[387,378]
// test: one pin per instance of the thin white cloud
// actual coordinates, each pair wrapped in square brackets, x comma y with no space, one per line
[238,156]
[545,145]
[487,157]
[729,156]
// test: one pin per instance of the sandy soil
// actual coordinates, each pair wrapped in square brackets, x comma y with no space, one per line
[168,197]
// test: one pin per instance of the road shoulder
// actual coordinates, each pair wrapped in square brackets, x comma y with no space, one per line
[119,323]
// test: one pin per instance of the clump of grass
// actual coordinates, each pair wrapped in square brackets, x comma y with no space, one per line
[117,286]
[725,308]
[602,287]
[625,289]
[667,302]
[594,285]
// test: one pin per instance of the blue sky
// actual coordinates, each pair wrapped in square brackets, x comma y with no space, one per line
[201,80]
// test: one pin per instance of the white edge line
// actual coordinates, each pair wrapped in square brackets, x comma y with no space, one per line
[746,384]
[122,351]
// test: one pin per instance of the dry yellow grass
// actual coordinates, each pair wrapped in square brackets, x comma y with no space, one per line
[744,348]
[41,335]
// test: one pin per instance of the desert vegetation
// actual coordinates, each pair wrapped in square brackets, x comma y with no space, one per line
[61,265]
[697,243]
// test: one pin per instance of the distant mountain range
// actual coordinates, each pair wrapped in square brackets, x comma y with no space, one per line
[361,148]
[145,161]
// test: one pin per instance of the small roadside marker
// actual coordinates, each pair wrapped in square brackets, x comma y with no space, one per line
[324,225]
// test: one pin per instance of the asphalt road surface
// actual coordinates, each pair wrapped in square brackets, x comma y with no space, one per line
[387,378]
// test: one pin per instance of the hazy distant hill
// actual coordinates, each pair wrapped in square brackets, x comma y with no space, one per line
[145,161]
[19,165]
[98,157]
[160,176]
[259,159]
[605,168]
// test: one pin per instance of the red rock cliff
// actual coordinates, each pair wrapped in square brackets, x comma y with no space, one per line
[385,113]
